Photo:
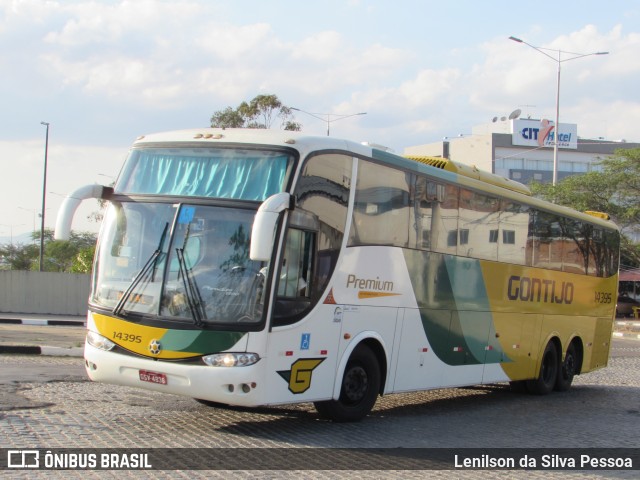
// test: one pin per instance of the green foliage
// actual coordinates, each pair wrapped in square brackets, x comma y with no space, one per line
[18,257]
[73,255]
[261,112]
[84,260]
[227,118]
[614,190]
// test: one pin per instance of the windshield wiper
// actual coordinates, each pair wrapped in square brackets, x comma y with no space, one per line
[192,292]
[151,263]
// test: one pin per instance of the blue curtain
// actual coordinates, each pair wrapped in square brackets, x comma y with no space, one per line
[224,174]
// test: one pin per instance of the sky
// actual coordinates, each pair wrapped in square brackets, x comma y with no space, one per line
[102,73]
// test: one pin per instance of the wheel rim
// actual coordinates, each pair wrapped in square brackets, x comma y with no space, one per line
[569,366]
[355,384]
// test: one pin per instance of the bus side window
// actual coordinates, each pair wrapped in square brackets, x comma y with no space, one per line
[612,242]
[295,278]
[381,213]
[296,266]
[515,246]
[575,235]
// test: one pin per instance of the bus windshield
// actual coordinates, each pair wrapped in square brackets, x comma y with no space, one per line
[186,263]
[233,173]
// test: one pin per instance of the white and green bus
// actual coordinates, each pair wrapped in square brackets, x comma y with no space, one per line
[256,267]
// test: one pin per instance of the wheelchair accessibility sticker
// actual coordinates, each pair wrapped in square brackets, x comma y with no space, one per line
[305,340]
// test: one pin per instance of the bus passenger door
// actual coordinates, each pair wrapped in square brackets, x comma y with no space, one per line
[301,348]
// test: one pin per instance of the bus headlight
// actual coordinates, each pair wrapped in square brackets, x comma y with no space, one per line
[231,359]
[96,340]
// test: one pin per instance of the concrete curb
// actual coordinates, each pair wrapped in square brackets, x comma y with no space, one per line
[627,329]
[633,335]
[32,341]
[45,322]
[42,350]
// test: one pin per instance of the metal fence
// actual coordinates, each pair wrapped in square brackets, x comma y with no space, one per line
[48,293]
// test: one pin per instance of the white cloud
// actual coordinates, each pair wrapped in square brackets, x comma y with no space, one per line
[130,79]
[612,120]
[183,57]
[100,23]
[230,43]
[513,75]
[321,47]
[429,86]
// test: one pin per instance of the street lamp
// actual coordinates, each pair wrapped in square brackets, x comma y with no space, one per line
[559,61]
[328,116]
[44,196]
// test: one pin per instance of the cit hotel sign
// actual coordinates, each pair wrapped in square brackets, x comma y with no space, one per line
[542,133]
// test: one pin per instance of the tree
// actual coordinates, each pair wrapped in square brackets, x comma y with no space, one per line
[614,190]
[83,260]
[62,255]
[227,118]
[19,257]
[73,255]
[261,112]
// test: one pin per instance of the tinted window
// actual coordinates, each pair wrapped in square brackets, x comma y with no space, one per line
[514,225]
[314,236]
[478,216]
[381,210]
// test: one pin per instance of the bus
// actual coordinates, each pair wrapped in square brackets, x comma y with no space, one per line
[258,267]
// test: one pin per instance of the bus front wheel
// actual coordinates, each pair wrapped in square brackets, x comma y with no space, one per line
[548,372]
[359,390]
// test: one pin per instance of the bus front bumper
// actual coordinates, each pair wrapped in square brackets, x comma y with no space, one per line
[229,385]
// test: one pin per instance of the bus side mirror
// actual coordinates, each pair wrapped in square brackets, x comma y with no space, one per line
[264,225]
[71,203]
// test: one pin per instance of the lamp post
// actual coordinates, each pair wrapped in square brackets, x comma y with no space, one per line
[328,116]
[559,60]
[44,196]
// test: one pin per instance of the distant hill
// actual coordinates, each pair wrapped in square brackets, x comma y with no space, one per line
[23,238]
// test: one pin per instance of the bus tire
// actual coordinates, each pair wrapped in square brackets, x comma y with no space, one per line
[548,372]
[567,369]
[359,390]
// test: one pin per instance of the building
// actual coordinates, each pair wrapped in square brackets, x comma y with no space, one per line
[522,149]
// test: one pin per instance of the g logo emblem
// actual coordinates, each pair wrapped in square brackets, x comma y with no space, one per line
[299,377]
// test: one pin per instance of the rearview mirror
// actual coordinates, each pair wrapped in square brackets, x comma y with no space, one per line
[71,203]
[264,225]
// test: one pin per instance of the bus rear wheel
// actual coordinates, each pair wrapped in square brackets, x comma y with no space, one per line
[567,370]
[359,390]
[548,372]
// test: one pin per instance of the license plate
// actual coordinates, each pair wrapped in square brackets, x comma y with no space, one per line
[153,377]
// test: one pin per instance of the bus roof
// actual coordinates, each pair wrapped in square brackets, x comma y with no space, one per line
[472,172]
[297,140]
[444,169]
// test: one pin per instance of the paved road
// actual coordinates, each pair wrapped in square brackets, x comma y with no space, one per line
[53,406]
